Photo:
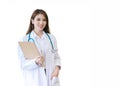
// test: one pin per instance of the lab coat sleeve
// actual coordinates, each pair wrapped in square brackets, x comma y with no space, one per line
[57,57]
[57,60]
[26,64]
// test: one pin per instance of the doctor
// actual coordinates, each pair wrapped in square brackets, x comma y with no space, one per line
[34,72]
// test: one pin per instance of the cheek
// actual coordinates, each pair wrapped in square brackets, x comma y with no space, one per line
[45,23]
[36,24]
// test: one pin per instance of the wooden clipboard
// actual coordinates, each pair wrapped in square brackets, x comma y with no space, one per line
[29,50]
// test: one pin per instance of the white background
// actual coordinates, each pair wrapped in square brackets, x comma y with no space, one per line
[88,37]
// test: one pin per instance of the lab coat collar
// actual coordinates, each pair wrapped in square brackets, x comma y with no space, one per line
[34,35]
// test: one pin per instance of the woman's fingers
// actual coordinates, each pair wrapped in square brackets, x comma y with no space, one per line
[55,74]
[40,61]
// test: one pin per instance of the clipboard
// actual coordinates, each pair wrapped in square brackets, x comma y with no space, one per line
[29,50]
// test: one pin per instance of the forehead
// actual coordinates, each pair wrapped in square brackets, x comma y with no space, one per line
[40,16]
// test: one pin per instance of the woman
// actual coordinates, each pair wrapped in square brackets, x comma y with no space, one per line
[44,70]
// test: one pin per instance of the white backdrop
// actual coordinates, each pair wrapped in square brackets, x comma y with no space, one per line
[88,37]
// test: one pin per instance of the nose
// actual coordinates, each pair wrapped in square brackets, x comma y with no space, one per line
[41,22]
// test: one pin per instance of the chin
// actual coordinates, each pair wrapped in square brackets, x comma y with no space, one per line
[40,29]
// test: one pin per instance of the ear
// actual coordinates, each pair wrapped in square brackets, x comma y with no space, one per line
[32,21]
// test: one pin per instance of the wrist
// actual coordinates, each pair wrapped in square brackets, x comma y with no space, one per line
[36,63]
[57,68]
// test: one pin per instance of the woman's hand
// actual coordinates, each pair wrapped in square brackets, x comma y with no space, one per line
[56,72]
[40,61]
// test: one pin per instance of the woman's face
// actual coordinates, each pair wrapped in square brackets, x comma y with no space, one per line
[39,22]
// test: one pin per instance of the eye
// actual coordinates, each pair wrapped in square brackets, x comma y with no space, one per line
[44,19]
[38,19]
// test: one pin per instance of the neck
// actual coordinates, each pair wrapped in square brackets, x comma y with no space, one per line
[39,33]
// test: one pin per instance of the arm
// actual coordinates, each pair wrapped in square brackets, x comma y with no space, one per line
[57,60]
[26,64]
[57,57]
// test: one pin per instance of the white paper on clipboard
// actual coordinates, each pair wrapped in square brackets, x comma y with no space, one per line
[29,50]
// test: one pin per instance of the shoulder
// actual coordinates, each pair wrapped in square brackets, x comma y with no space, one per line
[52,36]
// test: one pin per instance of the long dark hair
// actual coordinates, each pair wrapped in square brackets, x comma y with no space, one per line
[34,14]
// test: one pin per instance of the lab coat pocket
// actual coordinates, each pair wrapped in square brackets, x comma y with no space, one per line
[55,81]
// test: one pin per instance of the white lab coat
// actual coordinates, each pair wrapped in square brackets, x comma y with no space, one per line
[35,75]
